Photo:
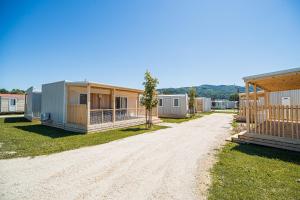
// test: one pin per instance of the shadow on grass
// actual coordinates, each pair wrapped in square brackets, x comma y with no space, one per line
[15,119]
[269,152]
[47,131]
[133,129]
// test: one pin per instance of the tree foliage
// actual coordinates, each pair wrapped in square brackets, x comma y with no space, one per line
[234,97]
[13,91]
[192,96]
[149,98]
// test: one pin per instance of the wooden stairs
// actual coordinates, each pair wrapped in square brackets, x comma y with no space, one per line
[267,140]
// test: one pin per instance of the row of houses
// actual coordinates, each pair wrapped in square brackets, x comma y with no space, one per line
[271,111]
[89,106]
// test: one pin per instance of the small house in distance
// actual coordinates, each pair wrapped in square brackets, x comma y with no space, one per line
[173,106]
[90,107]
[12,103]
[33,100]
[223,104]
[203,104]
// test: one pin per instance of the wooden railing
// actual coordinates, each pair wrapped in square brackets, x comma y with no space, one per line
[280,121]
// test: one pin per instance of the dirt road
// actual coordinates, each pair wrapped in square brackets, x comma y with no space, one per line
[160,165]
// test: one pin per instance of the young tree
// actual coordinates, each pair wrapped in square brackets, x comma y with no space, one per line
[149,99]
[234,97]
[192,96]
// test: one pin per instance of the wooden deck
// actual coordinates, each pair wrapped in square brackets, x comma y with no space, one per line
[267,140]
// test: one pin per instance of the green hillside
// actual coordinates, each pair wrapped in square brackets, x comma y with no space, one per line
[212,91]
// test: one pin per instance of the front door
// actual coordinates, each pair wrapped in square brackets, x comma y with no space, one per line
[12,105]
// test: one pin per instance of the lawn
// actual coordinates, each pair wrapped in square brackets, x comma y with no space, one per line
[180,120]
[254,172]
[19,137]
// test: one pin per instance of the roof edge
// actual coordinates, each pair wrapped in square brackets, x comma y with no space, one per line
[276,73]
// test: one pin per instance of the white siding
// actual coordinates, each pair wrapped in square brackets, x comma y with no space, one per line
[4,104]
[275,97]
[53,101]
[206,104]
[168,110]
[33,104]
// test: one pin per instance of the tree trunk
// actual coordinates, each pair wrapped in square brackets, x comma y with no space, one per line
[150,117]
[146,114]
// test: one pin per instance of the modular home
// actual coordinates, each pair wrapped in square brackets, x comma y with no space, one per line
[173,106]
[275,120]
[33,100]
[203,104]
[12,103]
[89,106]
[223,104]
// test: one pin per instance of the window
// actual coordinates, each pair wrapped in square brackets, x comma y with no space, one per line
[121,102]
[12,102]
[176,102]
[83,99]
[160,103]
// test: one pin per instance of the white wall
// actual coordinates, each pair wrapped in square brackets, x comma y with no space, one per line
[168,110]
[53,101]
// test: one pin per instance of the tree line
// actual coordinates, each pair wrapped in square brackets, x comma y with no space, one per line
[13,91]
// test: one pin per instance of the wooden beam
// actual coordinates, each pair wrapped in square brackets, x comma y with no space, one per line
[255,107]
[247,107]
[113,96]
[88,104]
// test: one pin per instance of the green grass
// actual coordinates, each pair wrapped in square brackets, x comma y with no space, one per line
[180,120]
[254,172]
[19,137]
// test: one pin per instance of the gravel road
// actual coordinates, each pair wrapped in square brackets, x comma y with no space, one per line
[166,164]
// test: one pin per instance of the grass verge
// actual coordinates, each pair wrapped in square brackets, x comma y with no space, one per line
[248,171]
[180,120]
[19,138]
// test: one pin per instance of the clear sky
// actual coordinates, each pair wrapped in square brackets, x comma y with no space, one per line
[183,43]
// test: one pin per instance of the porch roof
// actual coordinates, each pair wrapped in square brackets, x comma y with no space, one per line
[95,84]
[276,81]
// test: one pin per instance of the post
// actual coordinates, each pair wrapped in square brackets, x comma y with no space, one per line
[255,107]
[113,105]
[88,104]
[247,108]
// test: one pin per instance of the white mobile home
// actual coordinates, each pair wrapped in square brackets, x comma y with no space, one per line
[89,106]
[33,100]
[174,106]
[12,103]
[223,104]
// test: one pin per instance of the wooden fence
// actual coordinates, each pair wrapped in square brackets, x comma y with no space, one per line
[280,121]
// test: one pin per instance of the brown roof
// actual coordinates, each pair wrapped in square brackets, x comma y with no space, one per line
[17,96]
[276,81]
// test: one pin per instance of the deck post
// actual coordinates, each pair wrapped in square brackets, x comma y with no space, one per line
[113,105]
[247,108]
[255,107]
[88,105]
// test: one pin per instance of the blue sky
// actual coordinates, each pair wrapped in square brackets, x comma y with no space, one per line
[183,43]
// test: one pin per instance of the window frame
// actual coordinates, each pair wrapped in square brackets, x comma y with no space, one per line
[162,102]
[122,100]
[174,102]
[80,95]
[14,100]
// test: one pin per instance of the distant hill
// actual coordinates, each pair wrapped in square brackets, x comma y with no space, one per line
[212,91]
